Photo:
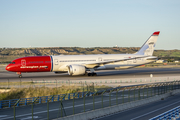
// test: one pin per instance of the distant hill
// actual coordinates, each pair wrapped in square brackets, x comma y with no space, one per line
[8,54]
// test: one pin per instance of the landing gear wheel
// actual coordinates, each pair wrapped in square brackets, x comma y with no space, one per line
[89,74]
[86,74]
[92,74]
[20,76]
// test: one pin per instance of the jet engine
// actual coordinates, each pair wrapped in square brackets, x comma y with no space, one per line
[76,70]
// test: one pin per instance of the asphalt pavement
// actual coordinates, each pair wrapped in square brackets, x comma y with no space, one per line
[147,111]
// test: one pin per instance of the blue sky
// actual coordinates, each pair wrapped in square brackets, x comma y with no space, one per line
[88,23]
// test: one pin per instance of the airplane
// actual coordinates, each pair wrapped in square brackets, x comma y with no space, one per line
[85,64]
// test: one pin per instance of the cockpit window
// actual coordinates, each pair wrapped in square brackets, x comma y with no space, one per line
[12,62]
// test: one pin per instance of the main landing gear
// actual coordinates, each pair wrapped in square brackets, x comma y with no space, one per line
[92,74]
[19,73]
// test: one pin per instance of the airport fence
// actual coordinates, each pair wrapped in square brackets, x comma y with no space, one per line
[54,98]
[58,83]
[39,100]
[69,104]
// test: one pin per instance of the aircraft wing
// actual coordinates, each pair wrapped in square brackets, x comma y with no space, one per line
[95,65]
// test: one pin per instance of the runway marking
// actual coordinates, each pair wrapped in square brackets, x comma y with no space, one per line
[154,111]
[3,116]
[29,118]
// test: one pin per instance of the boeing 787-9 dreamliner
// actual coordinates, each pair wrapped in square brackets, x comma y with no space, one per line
[85,64]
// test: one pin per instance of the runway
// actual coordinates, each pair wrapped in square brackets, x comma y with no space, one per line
[135,73]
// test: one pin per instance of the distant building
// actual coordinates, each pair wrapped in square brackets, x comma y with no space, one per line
[159,61]
[116,46]
[176,61]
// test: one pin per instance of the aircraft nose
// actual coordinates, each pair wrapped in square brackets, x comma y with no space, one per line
[7,68]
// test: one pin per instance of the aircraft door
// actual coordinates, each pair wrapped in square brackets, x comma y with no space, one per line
[99,59]
[56,61]
[134,60]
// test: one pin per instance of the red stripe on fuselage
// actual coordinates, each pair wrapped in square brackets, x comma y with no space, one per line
[30,64]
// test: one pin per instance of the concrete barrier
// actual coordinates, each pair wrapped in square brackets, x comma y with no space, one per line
[113,109]
[124,106]
[120,107]
[137,103]
[101,112]
[143,101]
[109,110]
[89,116]
[148,100]
[96,114]
[175,92]
[82,117]
[156,98]
[132,104]
[128,105]
[152,99]
[116,109]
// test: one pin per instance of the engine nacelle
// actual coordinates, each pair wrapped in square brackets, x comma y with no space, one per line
[76,70]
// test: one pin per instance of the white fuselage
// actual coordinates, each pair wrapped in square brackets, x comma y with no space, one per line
[61,62]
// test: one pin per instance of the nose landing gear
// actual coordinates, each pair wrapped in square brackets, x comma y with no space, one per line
[19,73]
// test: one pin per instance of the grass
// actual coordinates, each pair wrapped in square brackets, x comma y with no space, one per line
[16,83]
[17,93]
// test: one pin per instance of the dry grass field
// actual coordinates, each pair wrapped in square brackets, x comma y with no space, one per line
[17,93]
